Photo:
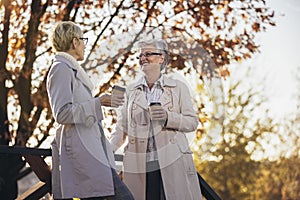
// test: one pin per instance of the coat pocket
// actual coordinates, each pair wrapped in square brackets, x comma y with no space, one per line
[67,136]
[189,165]
[183,144]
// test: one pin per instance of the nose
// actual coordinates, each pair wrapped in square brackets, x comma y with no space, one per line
[141,60]
[142,57]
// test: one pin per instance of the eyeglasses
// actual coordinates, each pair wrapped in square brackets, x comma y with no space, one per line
[85,40]
[148,54]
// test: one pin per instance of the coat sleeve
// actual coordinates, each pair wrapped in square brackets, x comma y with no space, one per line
[118,137]
[186,120]
[60,88]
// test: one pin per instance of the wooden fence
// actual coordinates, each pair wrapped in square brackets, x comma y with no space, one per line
[35,158]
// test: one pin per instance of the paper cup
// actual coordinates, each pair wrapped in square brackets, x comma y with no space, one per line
[117,90]
[153,105]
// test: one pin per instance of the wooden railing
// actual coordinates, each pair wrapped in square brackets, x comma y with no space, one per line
[35,158]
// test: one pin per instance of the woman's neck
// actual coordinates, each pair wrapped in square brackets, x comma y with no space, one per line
[151,79]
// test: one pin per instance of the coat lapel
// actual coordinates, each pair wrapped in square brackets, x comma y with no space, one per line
[77,75]
[166,96]
[81,79]
[168,84]
[141,100]
[139,96]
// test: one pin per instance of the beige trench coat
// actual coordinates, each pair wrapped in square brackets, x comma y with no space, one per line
[175,157]
[80,167]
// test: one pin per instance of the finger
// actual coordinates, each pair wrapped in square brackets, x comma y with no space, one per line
[155,109]
[158,119]
[118,95]
[117,98]
[158,112]
[157,116]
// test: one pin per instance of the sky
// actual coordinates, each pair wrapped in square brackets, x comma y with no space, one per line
[279,58]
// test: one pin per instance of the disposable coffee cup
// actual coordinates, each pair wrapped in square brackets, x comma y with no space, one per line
[153,105]
[117,95]
[118,90]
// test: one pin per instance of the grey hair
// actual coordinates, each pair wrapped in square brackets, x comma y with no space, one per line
[63,34]
[159,44]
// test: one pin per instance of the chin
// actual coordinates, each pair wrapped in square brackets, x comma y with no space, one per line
[80,59]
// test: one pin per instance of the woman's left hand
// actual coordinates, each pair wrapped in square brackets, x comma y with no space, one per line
[159,114]
[111,100]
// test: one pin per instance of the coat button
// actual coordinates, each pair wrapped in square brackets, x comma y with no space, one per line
[134,106]
[132,141]
[133,124]
[173,140]
[170,108]
[90,120]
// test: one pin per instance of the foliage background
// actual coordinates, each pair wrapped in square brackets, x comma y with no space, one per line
[205,38]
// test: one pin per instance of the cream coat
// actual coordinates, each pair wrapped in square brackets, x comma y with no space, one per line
[80,167]
[175,157]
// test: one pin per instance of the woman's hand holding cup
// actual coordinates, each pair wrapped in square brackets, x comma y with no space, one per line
[117,97]
[157,113]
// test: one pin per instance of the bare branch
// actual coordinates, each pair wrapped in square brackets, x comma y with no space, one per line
[100,34]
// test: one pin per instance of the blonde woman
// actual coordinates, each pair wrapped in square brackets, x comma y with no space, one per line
[83,162]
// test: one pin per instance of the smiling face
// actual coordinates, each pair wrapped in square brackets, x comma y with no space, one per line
[150,59]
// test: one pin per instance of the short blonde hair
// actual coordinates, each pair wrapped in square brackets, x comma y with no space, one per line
[63,34]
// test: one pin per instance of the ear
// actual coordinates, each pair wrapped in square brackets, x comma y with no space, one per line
[74,43]
[162,59]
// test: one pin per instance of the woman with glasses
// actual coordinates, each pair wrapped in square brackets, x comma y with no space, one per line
[157,113]
[82,160]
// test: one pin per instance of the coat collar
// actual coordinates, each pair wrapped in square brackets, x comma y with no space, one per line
[62,59]
[166,82]
[78,75]
[140,97]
